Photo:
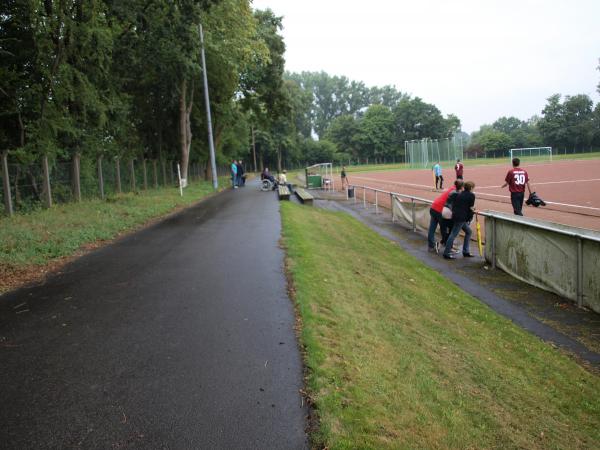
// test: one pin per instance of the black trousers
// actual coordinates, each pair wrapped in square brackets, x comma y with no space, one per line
[516,198]
[441,181]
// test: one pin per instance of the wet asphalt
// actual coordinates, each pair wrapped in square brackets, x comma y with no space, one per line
[180,336]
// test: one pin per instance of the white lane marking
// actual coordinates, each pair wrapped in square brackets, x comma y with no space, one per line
[547,182]
[481,193]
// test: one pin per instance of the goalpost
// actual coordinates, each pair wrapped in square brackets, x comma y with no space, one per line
[542,153]
[320,176]
[422,153]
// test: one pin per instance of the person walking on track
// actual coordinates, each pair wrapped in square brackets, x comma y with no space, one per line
[516,180]
[437,171]
[458,168]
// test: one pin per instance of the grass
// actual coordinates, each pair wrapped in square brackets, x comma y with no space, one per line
[43,235]
[398,357]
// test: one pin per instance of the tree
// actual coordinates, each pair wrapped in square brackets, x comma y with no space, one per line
[416,119]
[376,133]
[569,123]
[344,133]
[490,139]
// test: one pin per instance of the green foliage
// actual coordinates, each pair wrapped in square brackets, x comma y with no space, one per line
[491,139]
[571,123]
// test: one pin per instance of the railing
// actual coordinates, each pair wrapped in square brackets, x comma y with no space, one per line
[575,245]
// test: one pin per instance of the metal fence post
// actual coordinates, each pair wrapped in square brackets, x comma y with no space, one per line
[76,177]
[118,167]
[414,215]
[100,177]
[355,194]
[132,175]
[376,205]
[145,174]
[493,242]
[6,183]
[364,197]
[155,173]
[392,206]
[47,188]
[163,165]
[579,272]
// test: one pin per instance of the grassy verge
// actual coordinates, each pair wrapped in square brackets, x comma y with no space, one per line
[33,240]
[400,358]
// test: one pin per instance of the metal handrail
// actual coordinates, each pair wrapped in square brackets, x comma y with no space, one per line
[488,213]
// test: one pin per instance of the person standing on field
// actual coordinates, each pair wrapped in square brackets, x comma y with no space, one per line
[458,168]
[437,171]
[516,180]
[344,177]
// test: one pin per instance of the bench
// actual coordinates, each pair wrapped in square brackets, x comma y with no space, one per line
[283,192]
[304,196]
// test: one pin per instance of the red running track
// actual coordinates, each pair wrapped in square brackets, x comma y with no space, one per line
[572,188]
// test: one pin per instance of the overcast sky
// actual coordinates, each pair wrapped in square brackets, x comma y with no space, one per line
[478,59]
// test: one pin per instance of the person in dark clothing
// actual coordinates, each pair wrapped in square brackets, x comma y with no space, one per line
[447,224]
[462,213]
[241,173]
[435,213]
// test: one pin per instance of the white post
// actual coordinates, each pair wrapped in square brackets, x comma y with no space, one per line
[364,197]
[376,205]
[179,177]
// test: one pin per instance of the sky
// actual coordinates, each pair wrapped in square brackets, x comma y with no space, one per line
[478,59]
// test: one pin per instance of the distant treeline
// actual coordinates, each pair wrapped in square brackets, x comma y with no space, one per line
[572,124]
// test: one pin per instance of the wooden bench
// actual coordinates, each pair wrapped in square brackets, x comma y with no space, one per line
[304,196]
[283,192]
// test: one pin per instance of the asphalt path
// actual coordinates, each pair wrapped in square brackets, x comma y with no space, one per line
[178,336]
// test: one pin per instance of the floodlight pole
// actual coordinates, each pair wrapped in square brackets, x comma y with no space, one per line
[211,145]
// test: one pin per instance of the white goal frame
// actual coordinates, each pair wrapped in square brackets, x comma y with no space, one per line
[528,151]
[326,172]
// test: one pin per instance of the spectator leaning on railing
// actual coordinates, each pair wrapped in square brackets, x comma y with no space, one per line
[462,213]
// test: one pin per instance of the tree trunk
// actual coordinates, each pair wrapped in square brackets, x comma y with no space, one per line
[185,128]
[279,159]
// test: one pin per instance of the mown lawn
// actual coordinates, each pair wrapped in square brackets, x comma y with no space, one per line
[42,235]
[398,357]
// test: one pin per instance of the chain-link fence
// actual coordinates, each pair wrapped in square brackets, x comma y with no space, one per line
[27,186]
[422,153]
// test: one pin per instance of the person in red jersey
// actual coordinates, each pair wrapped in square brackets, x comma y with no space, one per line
[458,168]
[516,180]
[435,213]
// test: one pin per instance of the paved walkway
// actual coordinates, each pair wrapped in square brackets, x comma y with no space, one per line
[178,336]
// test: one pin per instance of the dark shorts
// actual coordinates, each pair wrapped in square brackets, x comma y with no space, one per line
[516,198]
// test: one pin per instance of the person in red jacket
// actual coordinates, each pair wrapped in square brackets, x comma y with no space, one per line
[435,213]
[516,180]
[458,168]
